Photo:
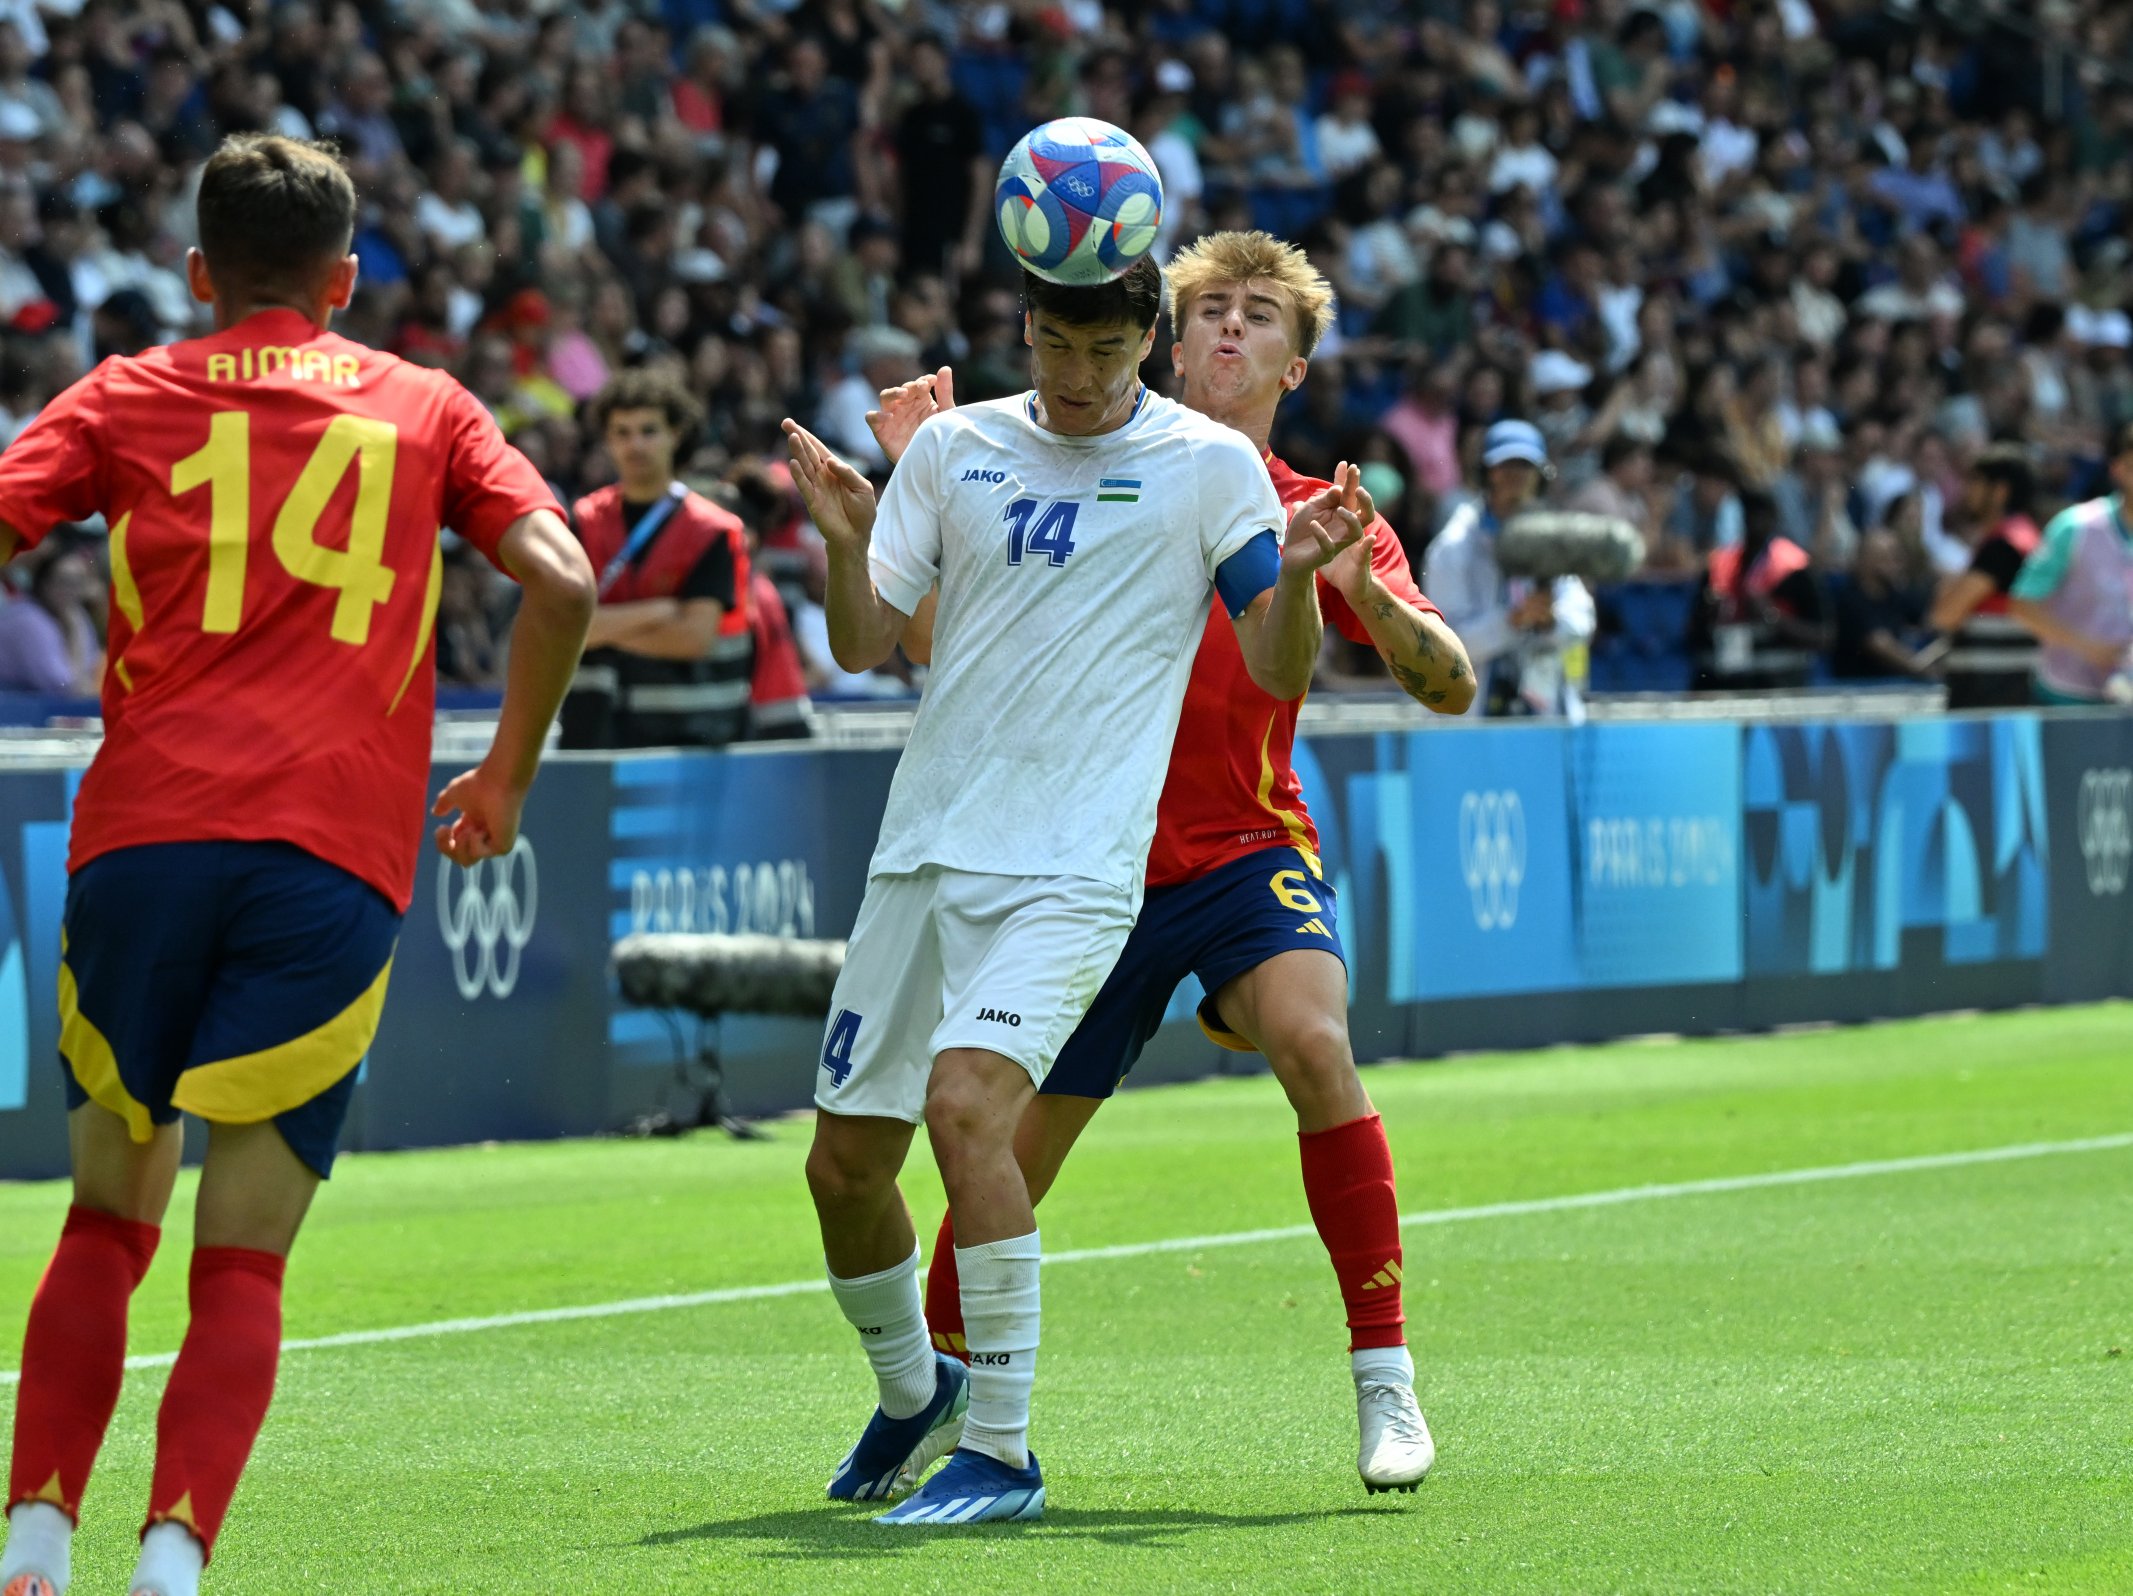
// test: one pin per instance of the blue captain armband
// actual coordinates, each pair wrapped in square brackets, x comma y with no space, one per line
[1248,573]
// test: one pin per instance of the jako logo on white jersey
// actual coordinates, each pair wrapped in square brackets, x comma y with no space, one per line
[976,475]
[1000,1015]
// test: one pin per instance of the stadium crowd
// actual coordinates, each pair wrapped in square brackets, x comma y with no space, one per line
[1777,272]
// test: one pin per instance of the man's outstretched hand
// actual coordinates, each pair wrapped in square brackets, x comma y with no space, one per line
[1323,527]
[484,808]
[839,498]
[905,406]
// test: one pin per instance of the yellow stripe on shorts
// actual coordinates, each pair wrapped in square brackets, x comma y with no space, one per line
[257,1086]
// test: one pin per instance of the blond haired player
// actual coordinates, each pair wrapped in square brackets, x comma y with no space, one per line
[1236,894]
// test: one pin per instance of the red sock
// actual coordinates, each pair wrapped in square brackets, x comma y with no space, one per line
[74,1355]
[1347,1174]
[219,1391]
[944,1296]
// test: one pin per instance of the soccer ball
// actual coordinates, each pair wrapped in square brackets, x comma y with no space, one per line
[1078,201]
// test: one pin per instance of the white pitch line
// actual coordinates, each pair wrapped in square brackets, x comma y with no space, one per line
[1236,1238]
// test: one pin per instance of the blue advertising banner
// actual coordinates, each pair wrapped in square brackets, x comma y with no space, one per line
[1864,838]
[1489,847]
[1614,878]
[1656,854]
[35,807]
[493,1022]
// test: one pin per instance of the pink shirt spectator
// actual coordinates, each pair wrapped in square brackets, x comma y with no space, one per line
[1431,443]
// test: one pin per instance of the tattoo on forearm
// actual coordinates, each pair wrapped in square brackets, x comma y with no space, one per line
[1417,683]
[1419,674]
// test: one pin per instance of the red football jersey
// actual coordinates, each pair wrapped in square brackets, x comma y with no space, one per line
[274,495]
[1232,788]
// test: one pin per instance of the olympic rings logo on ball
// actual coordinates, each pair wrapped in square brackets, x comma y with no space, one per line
[1492,855]
[1078,201]
[488,921]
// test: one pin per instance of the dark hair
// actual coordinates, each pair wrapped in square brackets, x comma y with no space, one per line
[627,164]
[1638,26]
[2122,439]
[275,214]
[2044,323]
[1619,447]
[2008,464]
[1136,296]
[650,388]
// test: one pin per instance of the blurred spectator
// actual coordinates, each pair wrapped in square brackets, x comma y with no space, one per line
[945,178]
[1760,590]
[1879,616]
[49,639]
[1706,512]
[1527,638]
[778,706]
[1426,428]
[1922,289]
[1828,251]
[1623,490]
[1347,140]
[1435,311]
[470,649]
[1997,494]
[887,356]
[808,128]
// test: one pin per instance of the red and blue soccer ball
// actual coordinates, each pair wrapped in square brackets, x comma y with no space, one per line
[1078,201]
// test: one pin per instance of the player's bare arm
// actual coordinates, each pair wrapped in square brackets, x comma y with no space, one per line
[1420,649]
[2047,628]
[863,626]
[903,408]
[557,579]
[1281,632]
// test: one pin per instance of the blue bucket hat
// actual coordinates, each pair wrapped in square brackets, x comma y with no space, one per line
[1514,440]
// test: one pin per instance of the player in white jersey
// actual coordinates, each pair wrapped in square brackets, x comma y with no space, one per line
[1075,534]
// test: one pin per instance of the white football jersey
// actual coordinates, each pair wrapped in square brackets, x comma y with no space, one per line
[1074,576]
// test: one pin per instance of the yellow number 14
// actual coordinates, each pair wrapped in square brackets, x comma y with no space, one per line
[358,573]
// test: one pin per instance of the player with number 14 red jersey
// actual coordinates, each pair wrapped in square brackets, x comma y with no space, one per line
[245,841]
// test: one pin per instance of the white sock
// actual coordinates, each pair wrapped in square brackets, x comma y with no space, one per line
[171,1560]
[40,1540]
[1382,1363]
[1000,1316]
[890,1316]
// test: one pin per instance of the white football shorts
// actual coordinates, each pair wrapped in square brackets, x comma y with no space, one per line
[951,958]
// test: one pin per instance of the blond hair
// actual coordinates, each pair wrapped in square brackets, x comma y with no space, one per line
[1222,259]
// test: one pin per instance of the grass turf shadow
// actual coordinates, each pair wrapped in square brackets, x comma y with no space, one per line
[832,1533]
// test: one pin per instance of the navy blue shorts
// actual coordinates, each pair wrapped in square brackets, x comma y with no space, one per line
[1230,920]
[239,981]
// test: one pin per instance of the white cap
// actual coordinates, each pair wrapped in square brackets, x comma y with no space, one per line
[1553,371]
[697,266]
[1174,77]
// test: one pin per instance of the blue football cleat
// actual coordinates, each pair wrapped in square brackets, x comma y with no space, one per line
[878,1468]
[974,1489]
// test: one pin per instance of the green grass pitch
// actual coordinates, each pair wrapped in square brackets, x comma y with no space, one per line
[1906,1381]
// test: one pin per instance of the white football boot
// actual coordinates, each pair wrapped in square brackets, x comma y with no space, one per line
[1396,1448]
